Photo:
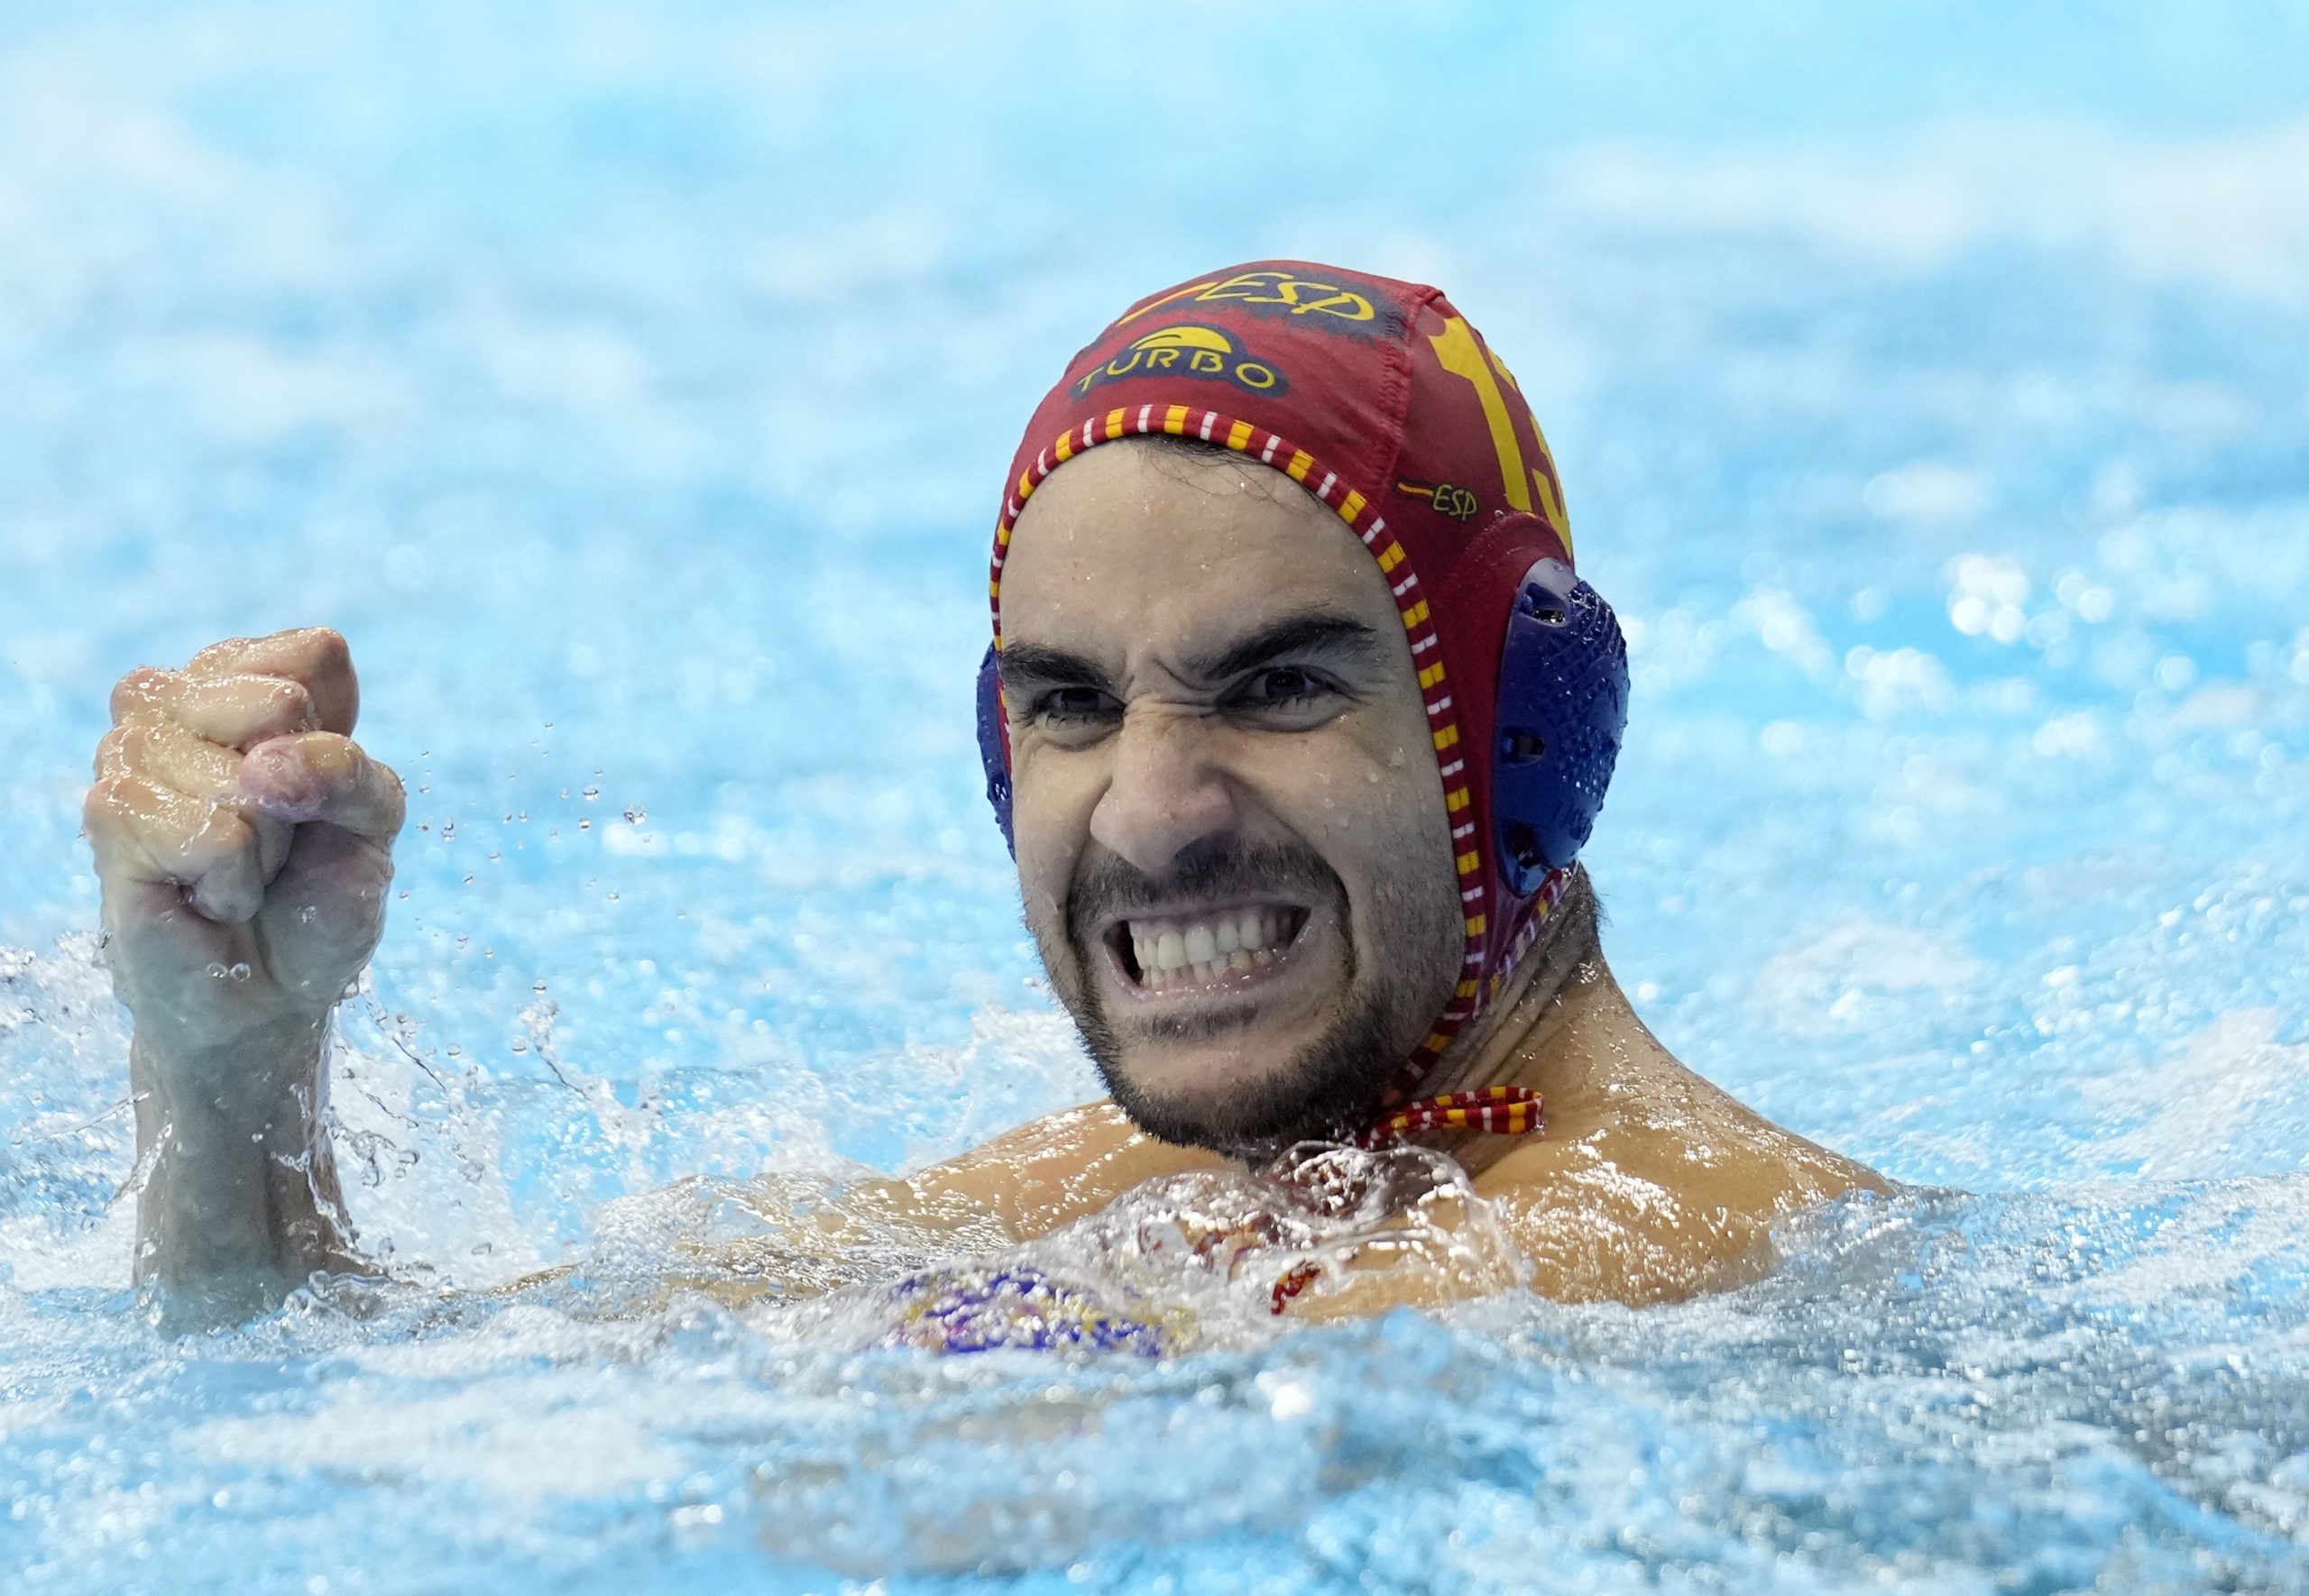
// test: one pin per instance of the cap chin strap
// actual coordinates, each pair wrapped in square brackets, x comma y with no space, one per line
[1500,1110]
[1505,1111]
[1559,713]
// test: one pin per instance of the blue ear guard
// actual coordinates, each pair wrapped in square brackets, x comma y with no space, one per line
[1563,705]
[990,747]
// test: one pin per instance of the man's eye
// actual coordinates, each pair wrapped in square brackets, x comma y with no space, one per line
[1285,698]
[1280,687]
[1067,706]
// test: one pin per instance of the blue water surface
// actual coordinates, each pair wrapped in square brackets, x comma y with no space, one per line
[631,385]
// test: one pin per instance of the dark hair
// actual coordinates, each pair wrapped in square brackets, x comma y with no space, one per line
[1183,443]
[1187,448]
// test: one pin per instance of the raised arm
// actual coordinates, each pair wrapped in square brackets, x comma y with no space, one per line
[242,842]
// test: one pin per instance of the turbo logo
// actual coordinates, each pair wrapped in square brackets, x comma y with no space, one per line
[1187,351]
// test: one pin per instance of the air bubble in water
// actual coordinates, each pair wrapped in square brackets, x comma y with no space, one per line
[240,971]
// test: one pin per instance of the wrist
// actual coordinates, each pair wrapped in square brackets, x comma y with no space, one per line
[264,1082]
[239,1202]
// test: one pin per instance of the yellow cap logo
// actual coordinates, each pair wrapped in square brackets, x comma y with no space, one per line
[1186,351]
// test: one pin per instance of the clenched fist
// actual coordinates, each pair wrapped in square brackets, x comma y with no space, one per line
[243,838]
[243,843]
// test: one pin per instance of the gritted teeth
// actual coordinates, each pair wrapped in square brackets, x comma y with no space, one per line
[1177,951]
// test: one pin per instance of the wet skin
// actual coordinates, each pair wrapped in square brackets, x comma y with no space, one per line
[1216,724]
[1649,1184]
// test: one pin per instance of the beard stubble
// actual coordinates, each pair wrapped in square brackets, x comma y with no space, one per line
[1333,1087]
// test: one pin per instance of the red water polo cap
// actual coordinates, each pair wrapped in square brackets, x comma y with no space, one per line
[1380,399]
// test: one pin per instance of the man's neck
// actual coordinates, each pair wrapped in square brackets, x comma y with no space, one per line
[1545,1033]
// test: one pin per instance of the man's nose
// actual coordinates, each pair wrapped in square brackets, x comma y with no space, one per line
[1165,789]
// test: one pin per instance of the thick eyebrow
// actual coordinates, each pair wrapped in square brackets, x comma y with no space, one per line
[1023,665]
[1294,637]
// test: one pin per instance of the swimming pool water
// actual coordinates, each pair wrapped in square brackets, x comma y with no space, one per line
[630,385]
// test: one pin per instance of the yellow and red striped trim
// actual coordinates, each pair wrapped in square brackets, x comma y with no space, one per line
[1506,1110]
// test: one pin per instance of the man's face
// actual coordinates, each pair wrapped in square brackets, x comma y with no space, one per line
[1231,834]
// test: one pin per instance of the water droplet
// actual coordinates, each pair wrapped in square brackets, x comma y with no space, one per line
[637,814]
[240,971]
[591,793]
[216,972]
[584,825]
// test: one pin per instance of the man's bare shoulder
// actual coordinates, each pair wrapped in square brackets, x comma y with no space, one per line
[1643,1208]
[1059,1168]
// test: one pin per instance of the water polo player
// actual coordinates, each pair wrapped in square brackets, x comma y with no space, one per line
[1296,720]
